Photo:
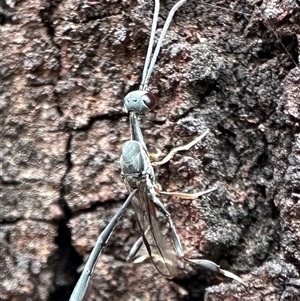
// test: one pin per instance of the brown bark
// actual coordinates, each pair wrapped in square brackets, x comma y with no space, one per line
[66,66]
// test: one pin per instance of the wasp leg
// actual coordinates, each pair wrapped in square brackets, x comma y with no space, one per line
[187,196]
[180,148]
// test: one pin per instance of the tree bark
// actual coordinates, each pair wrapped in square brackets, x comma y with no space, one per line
[233,68]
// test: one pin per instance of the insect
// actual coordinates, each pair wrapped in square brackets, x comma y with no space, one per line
[138,174]
[139,178]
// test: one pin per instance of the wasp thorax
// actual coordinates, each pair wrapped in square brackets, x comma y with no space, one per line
[139,101]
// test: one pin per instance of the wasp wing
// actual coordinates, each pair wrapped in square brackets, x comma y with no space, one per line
[160,251]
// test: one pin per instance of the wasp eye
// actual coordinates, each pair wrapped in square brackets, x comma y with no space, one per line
[150,100]
[139,101]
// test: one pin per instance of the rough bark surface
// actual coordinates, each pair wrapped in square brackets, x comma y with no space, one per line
[66,66]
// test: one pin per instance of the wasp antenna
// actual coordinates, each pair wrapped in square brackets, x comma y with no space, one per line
[150,45]
[159,43]
[285,49]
